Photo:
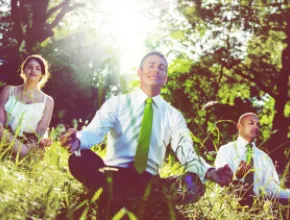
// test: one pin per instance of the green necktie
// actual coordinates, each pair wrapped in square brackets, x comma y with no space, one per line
[247,198]
[249,178]
[249,153]
[144,138]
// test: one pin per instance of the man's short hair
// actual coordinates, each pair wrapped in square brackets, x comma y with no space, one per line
[245,115]
[153,53]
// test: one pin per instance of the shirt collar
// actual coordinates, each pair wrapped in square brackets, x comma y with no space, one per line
[243,142]
[142,96]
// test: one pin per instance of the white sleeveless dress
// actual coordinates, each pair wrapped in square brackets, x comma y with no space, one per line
[23,117]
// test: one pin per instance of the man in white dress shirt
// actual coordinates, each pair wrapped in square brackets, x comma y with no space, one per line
[250,164]
[121,117]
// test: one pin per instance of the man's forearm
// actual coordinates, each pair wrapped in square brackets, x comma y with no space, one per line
[90,138]
[277,192]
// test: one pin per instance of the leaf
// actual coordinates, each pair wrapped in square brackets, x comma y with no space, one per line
[122,212]
[177,35]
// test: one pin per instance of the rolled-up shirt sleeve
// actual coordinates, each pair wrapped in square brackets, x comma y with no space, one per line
[104,119]
[182,145]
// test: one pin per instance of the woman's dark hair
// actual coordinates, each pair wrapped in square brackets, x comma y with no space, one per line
[43,65]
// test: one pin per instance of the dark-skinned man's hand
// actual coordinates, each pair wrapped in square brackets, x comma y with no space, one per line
[222,176]
[243,168]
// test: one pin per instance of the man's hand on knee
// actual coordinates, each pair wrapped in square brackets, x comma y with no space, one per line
[223,175]
[69,140]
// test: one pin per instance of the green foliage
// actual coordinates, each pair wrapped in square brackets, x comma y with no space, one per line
[122,213]
[84,68]
[228,93]
[236,55]
[177,35]
[44,189]
[287,109]
[80,80]
[179,66]
[35,189]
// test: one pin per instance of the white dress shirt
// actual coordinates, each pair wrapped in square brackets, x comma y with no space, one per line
[121,117]
[265,174]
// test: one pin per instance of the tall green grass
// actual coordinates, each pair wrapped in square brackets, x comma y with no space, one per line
[44,189]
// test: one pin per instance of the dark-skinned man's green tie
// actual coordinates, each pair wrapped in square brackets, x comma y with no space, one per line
[141,156]
[249,179]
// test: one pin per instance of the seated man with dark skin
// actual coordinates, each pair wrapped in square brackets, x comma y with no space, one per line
[253,168]
[140,125]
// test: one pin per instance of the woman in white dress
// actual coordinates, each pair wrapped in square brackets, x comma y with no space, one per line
[25,111]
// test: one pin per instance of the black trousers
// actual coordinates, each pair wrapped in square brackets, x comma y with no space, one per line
[245,192]
[122,183]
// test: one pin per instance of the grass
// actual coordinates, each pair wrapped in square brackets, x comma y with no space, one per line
[44,189]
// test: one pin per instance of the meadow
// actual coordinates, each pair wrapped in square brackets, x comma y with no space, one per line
[35,188]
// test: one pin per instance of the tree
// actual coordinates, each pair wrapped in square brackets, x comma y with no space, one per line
[83,67]
[243,53]
[235,53]
[25,26]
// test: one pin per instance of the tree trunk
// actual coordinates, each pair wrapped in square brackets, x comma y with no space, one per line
[38,31]
[279,141]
